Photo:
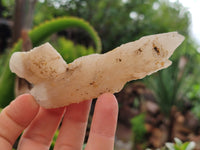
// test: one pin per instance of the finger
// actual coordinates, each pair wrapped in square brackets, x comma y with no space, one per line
[104,122]
[15,118]
[40,132]
[72,131]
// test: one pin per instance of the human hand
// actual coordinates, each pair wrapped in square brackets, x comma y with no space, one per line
[39,125]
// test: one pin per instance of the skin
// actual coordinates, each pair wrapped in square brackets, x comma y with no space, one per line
[39,124]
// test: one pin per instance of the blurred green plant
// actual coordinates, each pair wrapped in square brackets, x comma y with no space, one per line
[138,129]
[7,12]
[165,85]
[195,92]
[69,51]
[172,85]
[194,96]
[135,19]
[2,60]
[54,139]
[179,145]
[37,36]
[84,145]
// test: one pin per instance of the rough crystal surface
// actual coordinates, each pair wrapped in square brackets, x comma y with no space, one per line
[57,83]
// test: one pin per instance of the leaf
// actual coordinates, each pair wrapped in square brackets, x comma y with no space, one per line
[138,127]
[184,145]
[177,147]
[178,141]
[84,145]
[170,146]
[191,146]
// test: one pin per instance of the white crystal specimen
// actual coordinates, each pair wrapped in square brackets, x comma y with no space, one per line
[59,84]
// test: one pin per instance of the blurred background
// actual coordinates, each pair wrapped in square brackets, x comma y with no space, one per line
[153,110]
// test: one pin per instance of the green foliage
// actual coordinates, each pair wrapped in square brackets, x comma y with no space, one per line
[2,60]
[195,93]
[54,140]
[138,128]
[7,80]
[69,51]
[118,22]
[179,145]
[84,145]
[165,85]
[8,8]
[172,86]
[38,35]
[41,32]
[194,96]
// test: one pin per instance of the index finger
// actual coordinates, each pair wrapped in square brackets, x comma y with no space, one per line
[15,118]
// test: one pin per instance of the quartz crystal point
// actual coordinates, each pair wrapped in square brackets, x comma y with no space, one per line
[57,84]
